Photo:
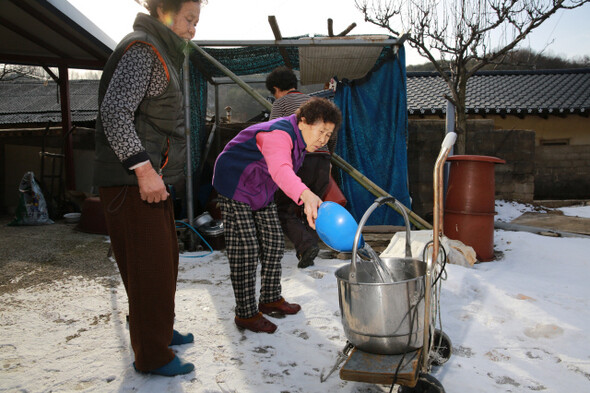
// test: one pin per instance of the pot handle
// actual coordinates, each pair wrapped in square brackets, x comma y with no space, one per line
[378,202]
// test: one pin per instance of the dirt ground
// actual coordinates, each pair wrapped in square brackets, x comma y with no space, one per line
[35,255]
[38,255]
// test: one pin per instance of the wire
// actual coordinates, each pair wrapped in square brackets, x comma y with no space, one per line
[202,238]
[413,314]
[444,261]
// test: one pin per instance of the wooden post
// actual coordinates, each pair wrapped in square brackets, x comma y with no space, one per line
[277,33]
[66,124]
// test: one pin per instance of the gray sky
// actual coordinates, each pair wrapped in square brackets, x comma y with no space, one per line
[566,33]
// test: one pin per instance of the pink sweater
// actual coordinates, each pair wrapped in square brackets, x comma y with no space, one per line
[276,147]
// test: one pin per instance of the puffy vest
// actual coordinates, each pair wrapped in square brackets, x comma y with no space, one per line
[240,170]
[159,121]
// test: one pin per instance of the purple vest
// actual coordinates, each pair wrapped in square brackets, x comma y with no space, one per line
[240,170]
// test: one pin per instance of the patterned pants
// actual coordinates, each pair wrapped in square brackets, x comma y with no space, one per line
[252,236]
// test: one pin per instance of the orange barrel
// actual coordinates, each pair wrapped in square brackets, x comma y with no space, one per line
[470,203]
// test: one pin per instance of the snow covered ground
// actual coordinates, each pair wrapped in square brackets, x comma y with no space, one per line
[517,324]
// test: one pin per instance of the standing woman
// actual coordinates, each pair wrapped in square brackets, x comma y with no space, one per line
[251,167]
[140,150]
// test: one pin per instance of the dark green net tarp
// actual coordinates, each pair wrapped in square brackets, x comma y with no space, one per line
[373,137]
[241,61]
[198,105]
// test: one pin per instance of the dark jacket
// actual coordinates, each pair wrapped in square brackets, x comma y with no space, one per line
[159,121]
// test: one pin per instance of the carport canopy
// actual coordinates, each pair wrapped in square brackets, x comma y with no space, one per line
[53,33]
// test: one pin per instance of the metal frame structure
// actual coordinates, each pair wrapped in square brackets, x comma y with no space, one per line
[280,43]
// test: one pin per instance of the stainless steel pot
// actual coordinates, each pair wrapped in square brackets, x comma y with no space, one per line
[383,317]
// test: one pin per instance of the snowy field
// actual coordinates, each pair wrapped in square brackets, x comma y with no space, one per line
[518,324]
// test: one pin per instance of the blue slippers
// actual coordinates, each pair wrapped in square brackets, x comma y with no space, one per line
[175,367]
[180,339]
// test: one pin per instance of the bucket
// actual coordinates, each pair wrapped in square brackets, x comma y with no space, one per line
[213,234]
[384,318]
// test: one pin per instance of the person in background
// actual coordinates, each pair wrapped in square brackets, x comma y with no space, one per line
[140,149]
[251,167]
[315,171]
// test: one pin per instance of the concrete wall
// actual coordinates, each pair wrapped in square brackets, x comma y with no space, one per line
[514,180]
[562,172]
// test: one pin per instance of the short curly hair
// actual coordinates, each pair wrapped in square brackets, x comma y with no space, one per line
[320,109]
[282,77]
[167,5]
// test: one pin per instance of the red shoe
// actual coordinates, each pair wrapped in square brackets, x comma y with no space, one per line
[257,324]
[279,307]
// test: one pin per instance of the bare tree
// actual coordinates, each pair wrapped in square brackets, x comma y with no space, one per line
[17,71]
[459,37]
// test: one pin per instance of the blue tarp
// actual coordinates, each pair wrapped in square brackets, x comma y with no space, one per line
[373,137]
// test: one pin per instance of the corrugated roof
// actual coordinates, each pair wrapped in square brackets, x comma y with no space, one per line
[31,101]
[506,92]
[51,33]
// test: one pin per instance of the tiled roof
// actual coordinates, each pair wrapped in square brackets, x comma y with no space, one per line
[30,101]
[506,92]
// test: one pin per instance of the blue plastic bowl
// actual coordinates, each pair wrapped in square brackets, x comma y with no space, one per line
[336,227]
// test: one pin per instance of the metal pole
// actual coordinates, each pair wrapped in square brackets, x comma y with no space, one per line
[377,191]
[187,131]
[450,127]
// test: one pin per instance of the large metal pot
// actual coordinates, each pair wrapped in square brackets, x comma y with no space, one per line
[383,317]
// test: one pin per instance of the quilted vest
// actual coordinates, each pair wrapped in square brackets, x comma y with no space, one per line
[159,121]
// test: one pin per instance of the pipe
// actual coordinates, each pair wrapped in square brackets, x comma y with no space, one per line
[446,146]
[377,191]
[187,133]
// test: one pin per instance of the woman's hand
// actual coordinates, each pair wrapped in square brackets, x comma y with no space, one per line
[151,186]
[311,203]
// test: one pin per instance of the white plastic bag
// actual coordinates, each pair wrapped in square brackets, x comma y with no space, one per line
[32,208]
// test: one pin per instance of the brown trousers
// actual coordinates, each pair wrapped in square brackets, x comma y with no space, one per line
[145,246]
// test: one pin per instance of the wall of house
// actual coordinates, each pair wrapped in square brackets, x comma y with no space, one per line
[573,128]
[513,180]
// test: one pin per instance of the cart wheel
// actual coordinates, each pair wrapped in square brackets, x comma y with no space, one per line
[442,348]
[426,384]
